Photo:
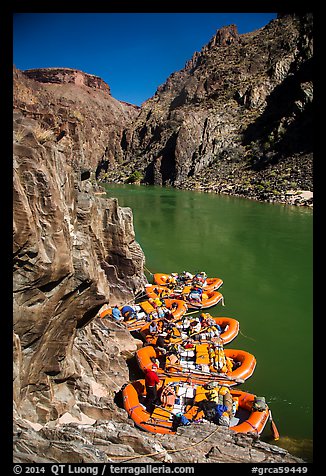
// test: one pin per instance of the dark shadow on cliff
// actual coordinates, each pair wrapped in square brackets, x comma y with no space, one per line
[281,104]
[134,374]
[118,399]
[161,171]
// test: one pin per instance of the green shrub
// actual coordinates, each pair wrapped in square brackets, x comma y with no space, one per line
[136,176]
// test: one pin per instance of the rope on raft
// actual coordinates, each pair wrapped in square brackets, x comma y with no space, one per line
[139,295]
[148,271]
[247,337]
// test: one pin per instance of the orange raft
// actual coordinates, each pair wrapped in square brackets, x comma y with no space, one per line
[144,309]
[163,279]
[179,395]
[208,299]
[196,362]
[230,329]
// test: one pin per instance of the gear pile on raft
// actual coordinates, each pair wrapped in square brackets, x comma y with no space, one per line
[189,376]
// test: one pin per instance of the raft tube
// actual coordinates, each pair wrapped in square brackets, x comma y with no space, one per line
[245,420]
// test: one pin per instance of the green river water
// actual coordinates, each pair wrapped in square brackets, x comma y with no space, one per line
[263,253]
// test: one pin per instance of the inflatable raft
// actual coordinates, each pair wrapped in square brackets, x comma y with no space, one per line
[201,362]
[145,309]
[180,396]
[207,299]
[229,330]
[163,279]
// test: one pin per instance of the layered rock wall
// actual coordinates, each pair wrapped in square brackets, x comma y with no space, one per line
[65,76]
[73,251]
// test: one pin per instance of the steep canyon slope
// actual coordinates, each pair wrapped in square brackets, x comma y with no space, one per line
[236,119]
[73,251]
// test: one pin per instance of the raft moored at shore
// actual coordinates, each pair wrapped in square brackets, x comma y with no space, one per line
[172,280]
[229,330]
[197,362]
[207,299]
[180,396]
[144,309]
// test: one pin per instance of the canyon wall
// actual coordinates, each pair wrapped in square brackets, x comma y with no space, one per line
[73,250]
[236,119]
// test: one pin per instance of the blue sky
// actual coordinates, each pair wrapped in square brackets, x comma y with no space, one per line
[133,52]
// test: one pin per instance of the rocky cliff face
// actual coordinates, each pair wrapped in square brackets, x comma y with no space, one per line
[237,119]
[67,76]
[73,251]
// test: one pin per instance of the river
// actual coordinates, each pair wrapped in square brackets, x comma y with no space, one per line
[263,253]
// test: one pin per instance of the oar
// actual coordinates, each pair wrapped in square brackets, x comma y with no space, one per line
[196,333]
[178,340]
[159,419]
[190,336]
[212,376]
[206,341]
[189,313]
[203,330]
[180,374]
[164,409]
[157,424]
[275,432]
